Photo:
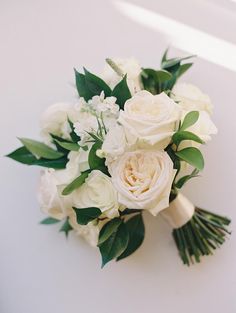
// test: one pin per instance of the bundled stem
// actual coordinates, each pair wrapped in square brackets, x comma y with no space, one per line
[201,235]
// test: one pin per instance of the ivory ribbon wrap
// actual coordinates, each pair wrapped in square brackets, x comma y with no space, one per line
[179,212]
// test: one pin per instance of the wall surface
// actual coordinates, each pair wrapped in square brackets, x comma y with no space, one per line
[41,271]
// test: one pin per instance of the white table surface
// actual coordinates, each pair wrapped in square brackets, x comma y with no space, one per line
[40,271]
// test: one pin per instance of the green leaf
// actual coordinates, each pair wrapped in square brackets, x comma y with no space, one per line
[40,149]
[164,57]
[86,215]
[183,68]
[76,183]
[186,178]
[94,161]
[66,227]
[71,146]
[49,221]
[185,135]
[170,63]
[163,75]
[56,164]
[174,158]
[189,120]
[150,80]
[115,245]
[81,86]
[96,85]
[136,231]
[59,148]
[108,229]
[121,92]
[24,156]
[192,156]
[74,137]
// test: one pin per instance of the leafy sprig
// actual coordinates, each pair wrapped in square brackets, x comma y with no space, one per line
[89,85]
[157,81]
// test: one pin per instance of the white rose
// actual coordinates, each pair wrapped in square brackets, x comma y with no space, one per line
[191,98]
[52,182]
[55,121]
[149,120]
[130,67]
[97,191]
[114,143]
[89,232]
[49,194]
[143,179]
[204,127]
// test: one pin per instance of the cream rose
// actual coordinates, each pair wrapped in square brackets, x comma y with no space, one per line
[97,191]
[149,120]
[130,67]
[143,179]
[191,98]
[55,121]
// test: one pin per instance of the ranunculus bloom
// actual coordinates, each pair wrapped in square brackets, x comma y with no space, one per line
[149,120]
[143,179]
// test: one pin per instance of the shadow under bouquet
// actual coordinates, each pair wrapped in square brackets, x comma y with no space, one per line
[128,145]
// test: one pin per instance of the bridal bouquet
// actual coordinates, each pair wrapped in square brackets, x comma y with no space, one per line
[128,145]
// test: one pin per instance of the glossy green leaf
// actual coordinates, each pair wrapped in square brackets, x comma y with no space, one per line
[185,135]
[56,164]
[163,75]
[40,149]
[86,215]
[49,221]
[59,148]
[81,86]
[66,227]
[183,180]
[71,146]
[94,161]
[76,183]
[164,57]
[24,156]
[184,68]
[96,85]
[121,92]
[189,120]
[74,137]
[136,229]
[115,245]
[108,229]
[193,156]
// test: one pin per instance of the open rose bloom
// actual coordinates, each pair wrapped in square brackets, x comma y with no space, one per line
[125,149]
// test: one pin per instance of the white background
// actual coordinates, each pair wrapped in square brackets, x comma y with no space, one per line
[41,271]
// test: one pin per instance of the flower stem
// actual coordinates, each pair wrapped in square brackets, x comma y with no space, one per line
[204,233]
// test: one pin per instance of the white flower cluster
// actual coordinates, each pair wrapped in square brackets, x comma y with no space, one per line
[134,141]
